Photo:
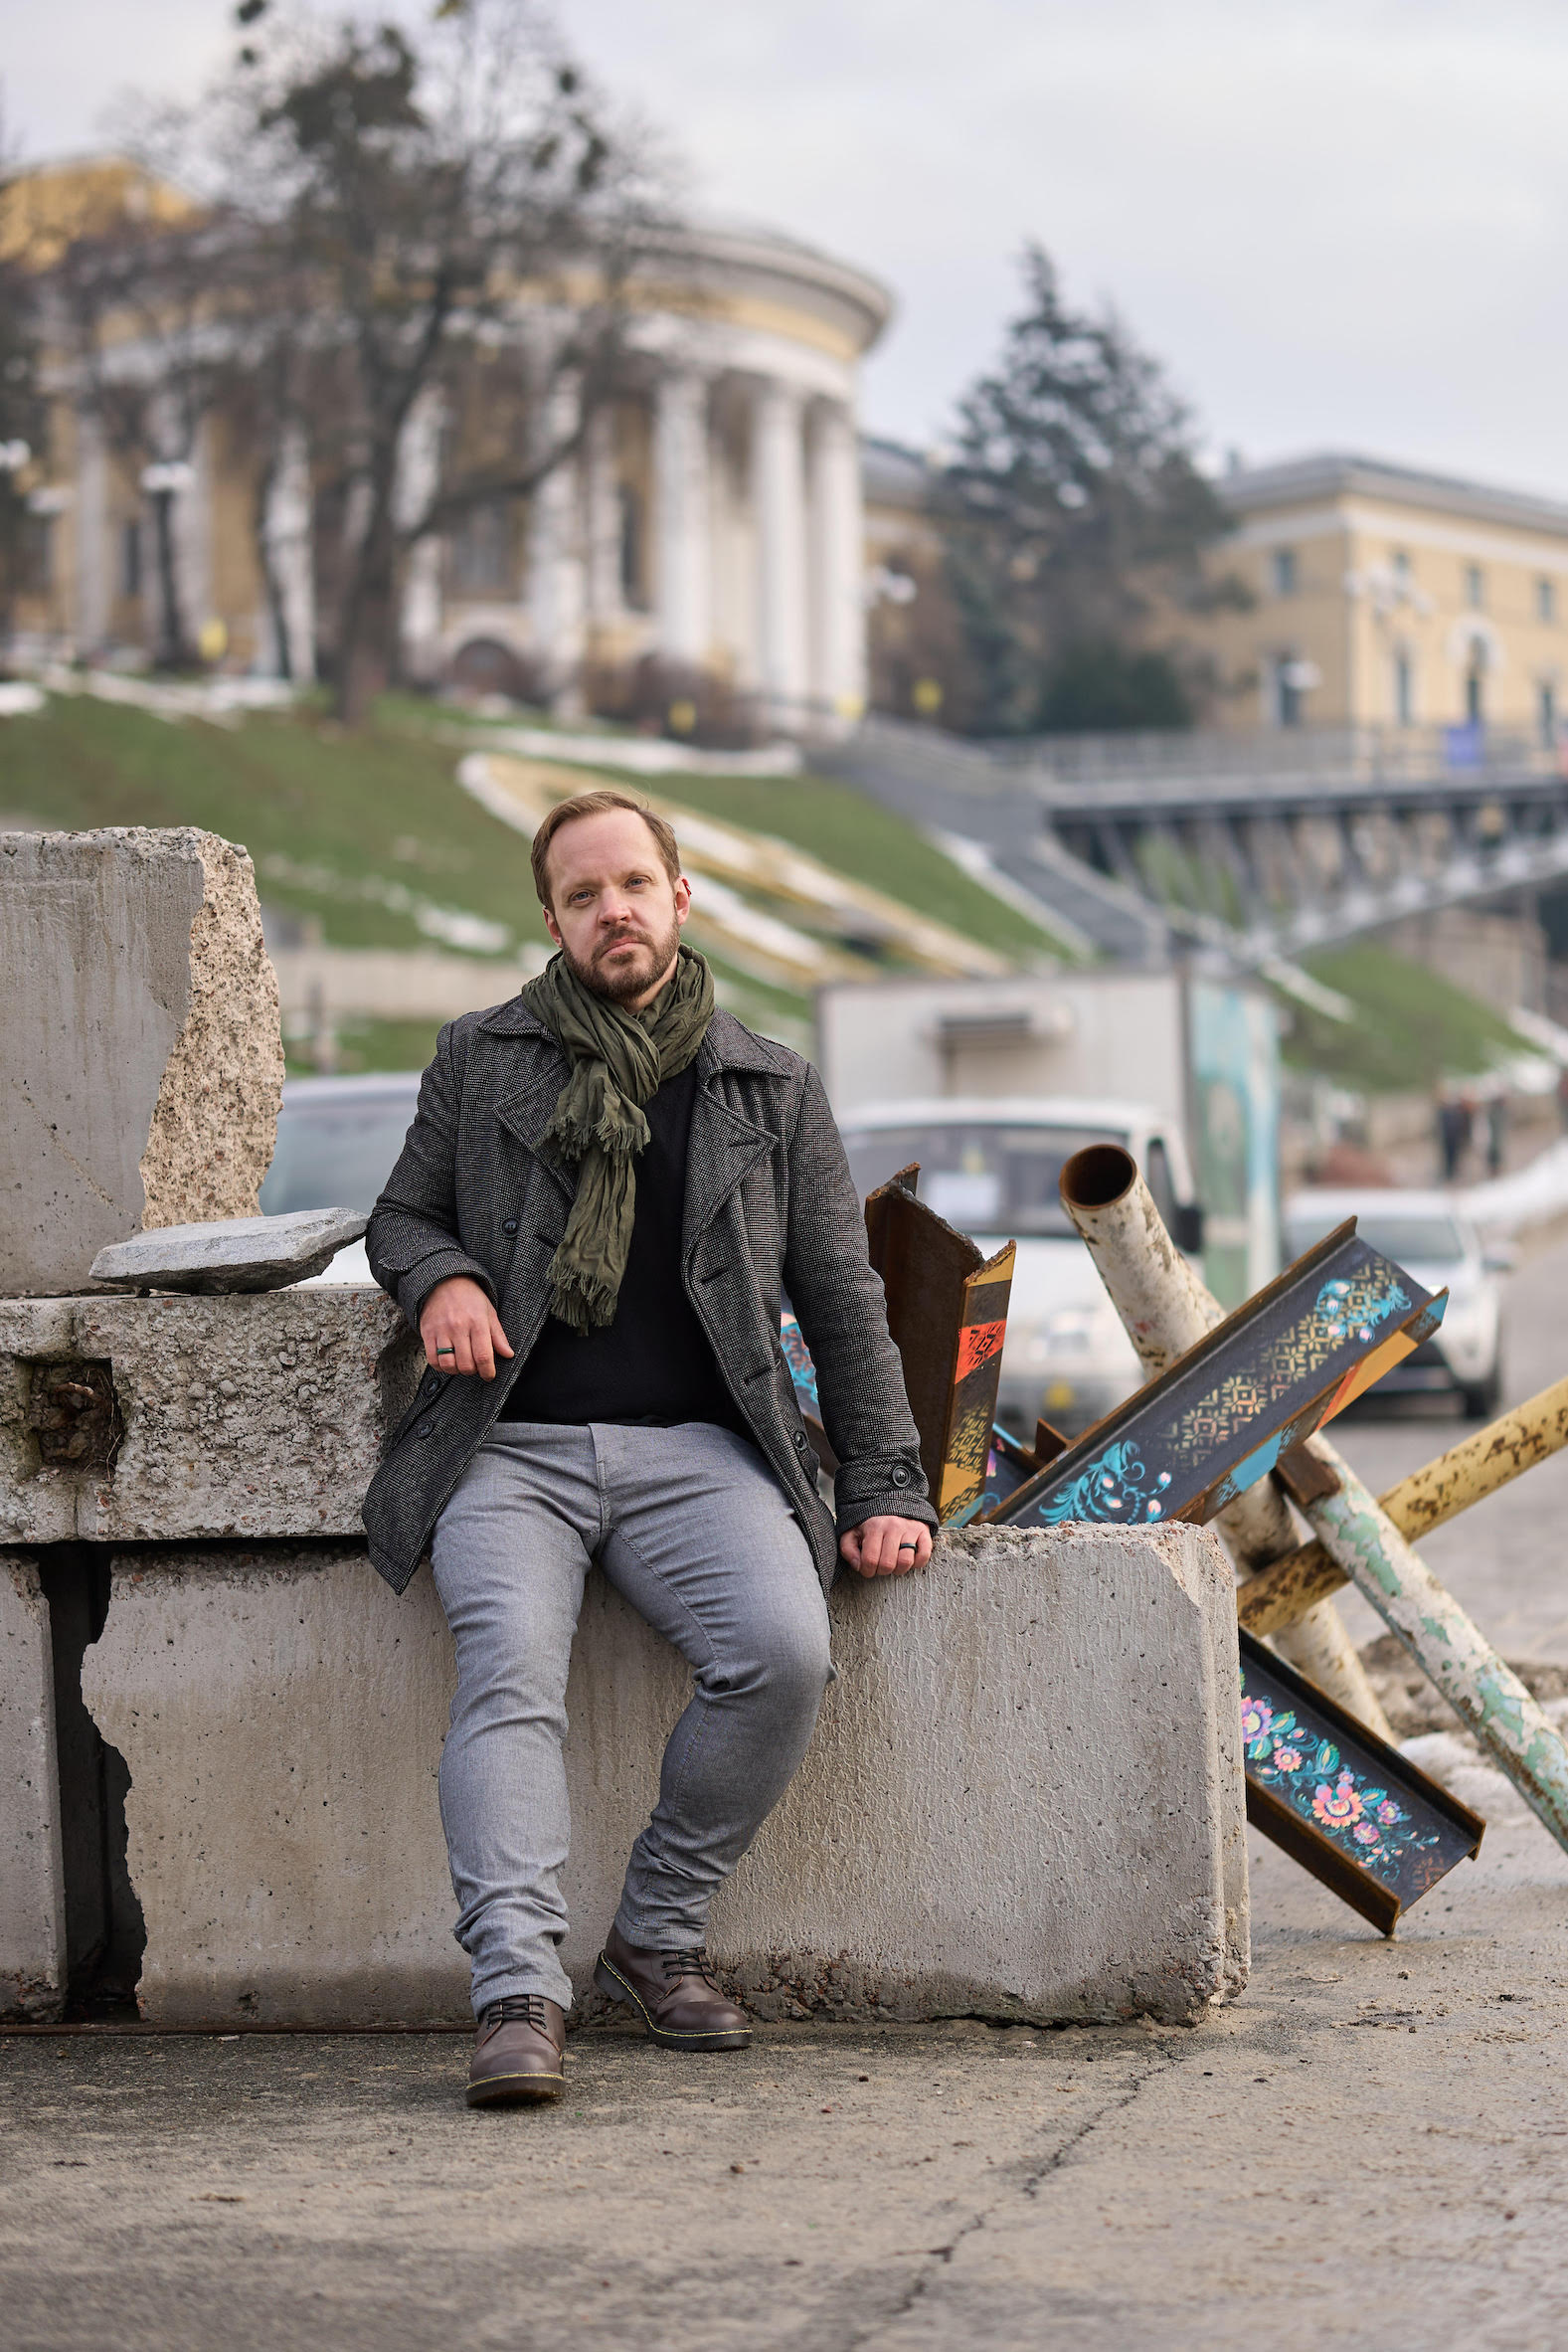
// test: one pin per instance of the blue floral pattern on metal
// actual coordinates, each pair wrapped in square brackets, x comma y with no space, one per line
[1116,1487]
[803,1371]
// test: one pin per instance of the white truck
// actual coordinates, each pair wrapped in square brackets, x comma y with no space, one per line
[991,1086]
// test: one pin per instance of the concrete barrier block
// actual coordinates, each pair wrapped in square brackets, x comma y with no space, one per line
[253,1417]
[141,1059]
[32,1885]
[1024,1798]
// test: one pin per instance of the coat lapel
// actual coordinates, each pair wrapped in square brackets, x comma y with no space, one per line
[723,1148]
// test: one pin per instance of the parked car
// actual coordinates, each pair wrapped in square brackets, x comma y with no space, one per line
[991,1165]
[338,1140]
[1430,1235]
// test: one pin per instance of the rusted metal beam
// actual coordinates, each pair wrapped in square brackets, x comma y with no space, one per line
[1279,1596]
[947,1308]
[1165,1308]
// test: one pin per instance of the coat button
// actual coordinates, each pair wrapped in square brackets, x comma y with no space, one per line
[901,1477]
[509,1225]
[800,1440]
[424,1428]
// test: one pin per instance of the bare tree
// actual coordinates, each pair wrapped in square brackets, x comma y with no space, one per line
[448,225]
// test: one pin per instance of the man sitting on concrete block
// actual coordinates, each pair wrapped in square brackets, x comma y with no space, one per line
[605,1188]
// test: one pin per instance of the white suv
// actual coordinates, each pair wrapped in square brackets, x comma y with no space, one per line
[1430,1235]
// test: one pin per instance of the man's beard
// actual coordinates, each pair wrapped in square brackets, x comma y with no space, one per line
[617,988]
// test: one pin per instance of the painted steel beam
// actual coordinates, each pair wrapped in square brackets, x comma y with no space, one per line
[1203,1432]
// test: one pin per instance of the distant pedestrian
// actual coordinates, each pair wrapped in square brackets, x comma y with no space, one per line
[1496,1134]
[1454,1124]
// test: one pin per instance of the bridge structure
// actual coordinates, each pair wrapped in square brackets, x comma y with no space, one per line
[1264,846]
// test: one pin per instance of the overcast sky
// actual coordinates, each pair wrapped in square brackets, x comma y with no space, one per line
[1341,223]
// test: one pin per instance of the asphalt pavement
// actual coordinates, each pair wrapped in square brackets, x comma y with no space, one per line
[1370,2149]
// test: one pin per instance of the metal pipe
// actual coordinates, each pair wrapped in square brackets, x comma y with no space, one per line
[1167,1310]
[1281,1595]
[1436,1631]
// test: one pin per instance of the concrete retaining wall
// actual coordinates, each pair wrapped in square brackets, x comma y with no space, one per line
[1024,1798]
[32,1889]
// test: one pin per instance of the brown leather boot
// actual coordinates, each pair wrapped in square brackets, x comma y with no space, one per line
[518,2054]
[674,1994]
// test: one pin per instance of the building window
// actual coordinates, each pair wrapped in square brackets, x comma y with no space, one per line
[130,558]
[482,552]
[1400,561]
[1288,690]
[1475,587]
[633,550]
[37,554]
[1546,713]
[1475,688]
[1546,600]
[1284,572]
[1404,690]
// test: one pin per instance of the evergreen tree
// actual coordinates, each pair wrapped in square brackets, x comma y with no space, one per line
[1077,505]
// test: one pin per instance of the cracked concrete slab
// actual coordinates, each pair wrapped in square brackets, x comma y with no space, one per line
[251,1417]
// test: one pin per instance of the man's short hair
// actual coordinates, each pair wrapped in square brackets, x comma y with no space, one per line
[599,803]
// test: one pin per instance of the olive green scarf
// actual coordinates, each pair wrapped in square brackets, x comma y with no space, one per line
[619,1062]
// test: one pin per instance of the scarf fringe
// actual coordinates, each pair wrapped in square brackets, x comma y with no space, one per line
[583,1302]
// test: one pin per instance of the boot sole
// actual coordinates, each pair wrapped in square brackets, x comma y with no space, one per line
[611,1982]
[515,2091]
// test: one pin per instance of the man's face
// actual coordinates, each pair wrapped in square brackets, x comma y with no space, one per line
[614,913]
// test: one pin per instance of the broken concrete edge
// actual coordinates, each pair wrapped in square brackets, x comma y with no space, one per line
[32,1874]
[214,1126]
[1056,1674]
[230,1256]
[141,1059]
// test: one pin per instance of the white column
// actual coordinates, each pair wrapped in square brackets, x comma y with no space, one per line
[778,501]
[288,552]
[416,480]
[683,600]
[555,569]
[193,533]
[838,616]
[94,556]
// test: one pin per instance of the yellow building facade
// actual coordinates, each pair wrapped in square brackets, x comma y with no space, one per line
[1390,599]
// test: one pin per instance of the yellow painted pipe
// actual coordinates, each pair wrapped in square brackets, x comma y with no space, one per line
[1282,1595]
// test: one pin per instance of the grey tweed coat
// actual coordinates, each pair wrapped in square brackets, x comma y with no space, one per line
[770,1205]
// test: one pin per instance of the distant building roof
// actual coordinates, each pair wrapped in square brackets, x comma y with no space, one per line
[1329,474]
[894,474]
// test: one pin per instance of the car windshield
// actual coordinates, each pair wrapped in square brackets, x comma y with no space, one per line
[336,1149]
[981,1176]
[1410,1241]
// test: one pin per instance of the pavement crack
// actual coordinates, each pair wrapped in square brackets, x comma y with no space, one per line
[939,2258]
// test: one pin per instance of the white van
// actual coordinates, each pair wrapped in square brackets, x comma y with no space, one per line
[990,1165]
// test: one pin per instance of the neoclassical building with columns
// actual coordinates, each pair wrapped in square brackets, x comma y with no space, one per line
[708,535]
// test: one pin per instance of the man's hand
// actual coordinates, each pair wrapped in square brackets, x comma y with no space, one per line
[887,1547]
[463,1333]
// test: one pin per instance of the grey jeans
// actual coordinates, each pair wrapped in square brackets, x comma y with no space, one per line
[689,1524]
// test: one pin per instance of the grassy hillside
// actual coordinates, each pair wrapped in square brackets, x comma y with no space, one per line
[1412,1027]
[370,835]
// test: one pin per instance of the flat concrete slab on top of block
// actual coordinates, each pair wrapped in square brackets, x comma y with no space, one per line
[167,1418]
[230,1254]
[1024,1797]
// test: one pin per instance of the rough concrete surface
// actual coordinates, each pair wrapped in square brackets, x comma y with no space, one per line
[141,1059]
[253,1417]
[1369,2151]
[32,1887]
[1036,1712]
[232,1254]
